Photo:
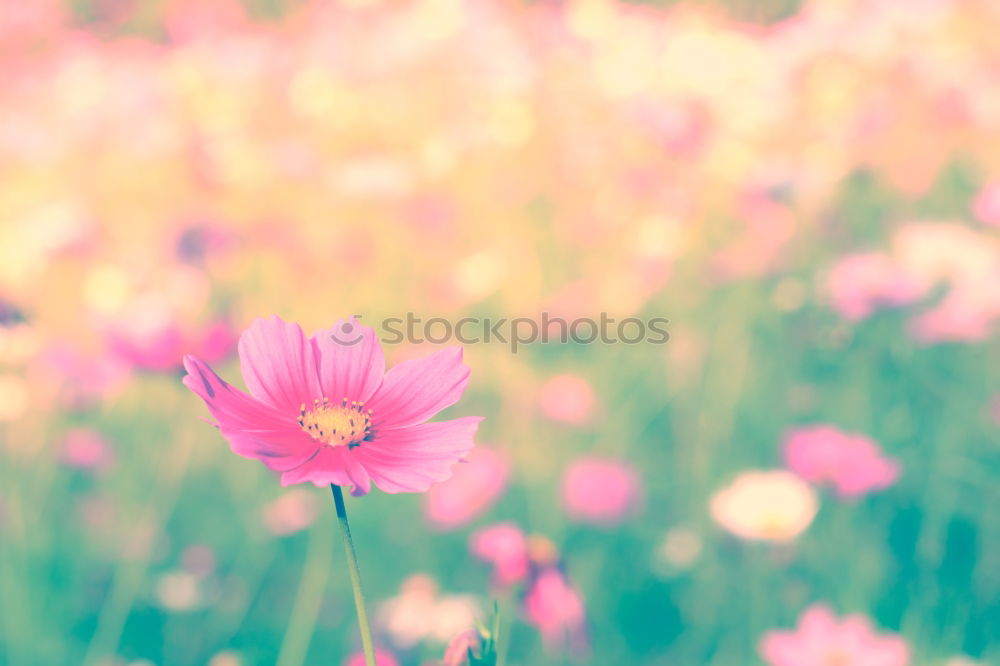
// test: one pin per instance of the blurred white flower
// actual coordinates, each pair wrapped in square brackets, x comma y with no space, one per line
[680,548]
[419,613]
[770,505]
[178,591]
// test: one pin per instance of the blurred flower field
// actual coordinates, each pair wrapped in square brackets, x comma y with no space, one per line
[805,473]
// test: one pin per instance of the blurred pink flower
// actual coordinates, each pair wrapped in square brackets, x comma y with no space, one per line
[193,20]
[769,226]
[292,512]
[457,653]
[216,341]
[382,658]
[567,398]
[556,609]
[986,205]
[822,639]
[27,20]
[680,128]
[853,463]
[769,505]
[79,379]
[966,314]
[86,448]
[323,410]
[600,490]
[505,547]
[162,349]
[473,488]
[861,283]
[430,214]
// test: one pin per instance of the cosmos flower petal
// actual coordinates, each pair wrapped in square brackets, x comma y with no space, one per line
[355,470]
[351,363]
[279,364]
[854,464]
[412,459]
[823,638]
[321,470]
[471,491]
[600,490]
[252,428]
[779,648]
[416,390]
[505,546]
[818,619]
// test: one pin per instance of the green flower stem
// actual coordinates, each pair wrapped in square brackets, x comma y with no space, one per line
[352,566]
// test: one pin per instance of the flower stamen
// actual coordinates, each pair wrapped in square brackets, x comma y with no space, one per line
[348,424]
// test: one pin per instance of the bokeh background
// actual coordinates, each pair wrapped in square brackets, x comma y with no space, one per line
[809,193]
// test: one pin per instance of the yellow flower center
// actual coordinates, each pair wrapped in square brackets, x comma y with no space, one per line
[347,424]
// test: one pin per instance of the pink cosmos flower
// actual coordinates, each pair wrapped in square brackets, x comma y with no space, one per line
[457,652]
[470,492]
[861,283]
[556,608]
[430,213]
[769,226]
[986,205]
[824,640]
[159,348]
[505,546]
[23,22]
[681,129]
[967,314]
[854,464]
[79,379]
[192,20]
[600,490]
[86,448]
[568,399]
[382,658]
[322,409]
[292,512]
